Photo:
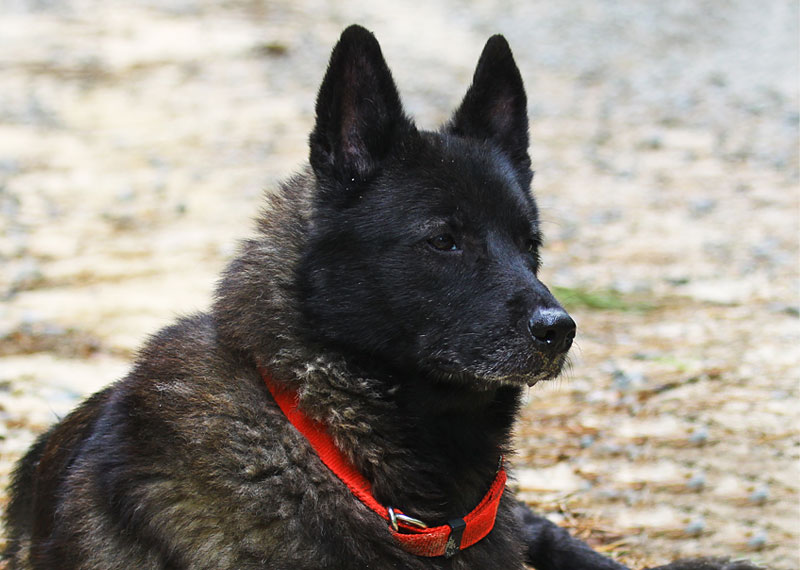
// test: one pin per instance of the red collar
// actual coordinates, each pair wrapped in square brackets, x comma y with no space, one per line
[413,535]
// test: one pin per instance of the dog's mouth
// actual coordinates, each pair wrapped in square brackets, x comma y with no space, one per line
[549,369]
[525,371]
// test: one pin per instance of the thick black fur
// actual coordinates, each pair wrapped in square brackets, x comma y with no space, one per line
[394,285]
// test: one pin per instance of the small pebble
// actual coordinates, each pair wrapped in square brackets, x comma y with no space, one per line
[627,381]
[758,540]
[611,449]
[759,495]
[633,451]
[9,166]
[606,216]
[596,397]
[678,280]
[610,494]
[273,48]
[586,441]
[655,142]
[28,275]
[695,527]
[699,207]
[699,436]
[697,482]
[126,194]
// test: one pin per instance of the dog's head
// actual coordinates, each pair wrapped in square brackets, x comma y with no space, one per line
[424,246]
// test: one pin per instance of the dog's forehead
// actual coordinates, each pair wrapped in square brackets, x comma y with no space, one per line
[473,179]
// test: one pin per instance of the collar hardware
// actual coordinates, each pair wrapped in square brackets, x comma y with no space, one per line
[413,535]
[453,545]
[395,516]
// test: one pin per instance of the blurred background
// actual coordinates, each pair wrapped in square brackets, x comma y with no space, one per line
[137,138]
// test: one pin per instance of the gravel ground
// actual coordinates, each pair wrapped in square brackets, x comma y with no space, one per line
[136,139]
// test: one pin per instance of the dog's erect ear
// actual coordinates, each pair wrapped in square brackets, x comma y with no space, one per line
[495,107]
[359,114]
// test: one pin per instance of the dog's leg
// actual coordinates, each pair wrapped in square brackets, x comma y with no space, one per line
[549,547]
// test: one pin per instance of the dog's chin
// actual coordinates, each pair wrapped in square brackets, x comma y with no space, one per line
[485,377]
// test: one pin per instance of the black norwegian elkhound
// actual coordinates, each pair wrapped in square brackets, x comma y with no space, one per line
[391,298]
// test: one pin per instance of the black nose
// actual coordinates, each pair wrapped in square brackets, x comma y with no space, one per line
[552,328]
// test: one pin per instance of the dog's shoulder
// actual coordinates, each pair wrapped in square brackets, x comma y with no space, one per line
[188,388]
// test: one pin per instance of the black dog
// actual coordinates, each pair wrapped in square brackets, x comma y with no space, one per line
[389,307]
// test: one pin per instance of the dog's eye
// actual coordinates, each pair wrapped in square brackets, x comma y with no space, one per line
[532,250]
[443,242]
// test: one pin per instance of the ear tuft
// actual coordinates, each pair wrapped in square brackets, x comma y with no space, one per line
[495,107]
[359,113]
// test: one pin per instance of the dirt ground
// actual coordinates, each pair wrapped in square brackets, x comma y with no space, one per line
[136,139]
